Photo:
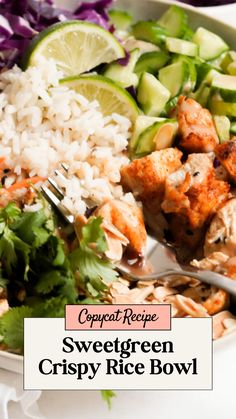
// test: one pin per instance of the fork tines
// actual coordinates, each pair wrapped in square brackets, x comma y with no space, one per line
[55,199]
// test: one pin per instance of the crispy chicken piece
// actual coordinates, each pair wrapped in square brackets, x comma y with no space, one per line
[226,153]
[196,127]
[126,218]
[145,177]
[221,235]
[192,196]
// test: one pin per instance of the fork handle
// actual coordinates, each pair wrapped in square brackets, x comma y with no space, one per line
[209,277]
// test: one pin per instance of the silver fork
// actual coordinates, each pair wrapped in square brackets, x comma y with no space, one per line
[159,255]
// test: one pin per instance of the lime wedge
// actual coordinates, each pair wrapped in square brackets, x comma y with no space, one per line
[111,97]
[75,46]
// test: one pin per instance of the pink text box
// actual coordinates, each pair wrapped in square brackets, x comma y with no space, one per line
[118,317]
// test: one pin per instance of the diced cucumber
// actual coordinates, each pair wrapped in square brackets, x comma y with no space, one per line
[120,18]
[124,75]
[192,78]
[228,59]
[141,124]
[152,95]
[175,21]
[210,45]
[232,69]
[226,85]
[132,43]
[233,128]
[158,136]
[203,71]
[222,124]
[151,62]
[218,107]
[216,63]
[150,31]
[202,95]
[174,77]
[179,46]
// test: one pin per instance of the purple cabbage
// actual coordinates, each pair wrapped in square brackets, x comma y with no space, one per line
[20,20]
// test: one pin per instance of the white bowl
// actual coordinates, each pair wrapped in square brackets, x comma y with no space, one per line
[149,9]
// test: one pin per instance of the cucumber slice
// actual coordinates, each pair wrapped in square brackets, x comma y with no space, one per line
[174,77]
[228,59]
[218,107]
[120,19]
[124,75]
[179,46]
[222,124]
[232,69]
[141,124]
[217,62]
[150,31]
[158,136]
[151,62]
[210,45]
[233,128]
[192,79]
[175,21]
[202,95]
[226,85]
[203,71]
[152,95]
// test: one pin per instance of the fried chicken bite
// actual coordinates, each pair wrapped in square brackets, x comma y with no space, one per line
[192,196]
[146,177]
[226,154]
[196,127]
[128,220]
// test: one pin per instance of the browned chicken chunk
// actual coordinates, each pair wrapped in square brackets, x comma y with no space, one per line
[192,196]
[226,153]
[145,177]
[128,219]
[196,127]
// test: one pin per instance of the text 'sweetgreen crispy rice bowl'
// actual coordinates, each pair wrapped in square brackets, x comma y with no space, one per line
[141,107]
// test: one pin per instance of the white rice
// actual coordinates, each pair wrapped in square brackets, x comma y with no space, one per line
[43,124]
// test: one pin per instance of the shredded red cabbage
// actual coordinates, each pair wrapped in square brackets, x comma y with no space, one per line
[20,20]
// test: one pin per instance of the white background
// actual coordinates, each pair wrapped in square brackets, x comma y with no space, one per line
[217,404]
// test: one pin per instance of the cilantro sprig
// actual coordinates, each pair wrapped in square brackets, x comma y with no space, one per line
[95,272]
[40,276]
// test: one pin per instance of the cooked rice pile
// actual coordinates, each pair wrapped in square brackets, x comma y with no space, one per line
[43,123]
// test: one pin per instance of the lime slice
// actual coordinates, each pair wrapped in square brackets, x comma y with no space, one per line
[76,47]
[111,97]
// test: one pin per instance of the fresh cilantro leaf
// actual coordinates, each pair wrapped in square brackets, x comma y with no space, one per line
[53,307]
[7,250]
[41,236]
[25,225]
[2,226]
[10,213]
[107,396]
[24,251]
[94,271]
[92,232]
[92,267]
[49,281]
[12,326]
[59,258]
[61,282]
